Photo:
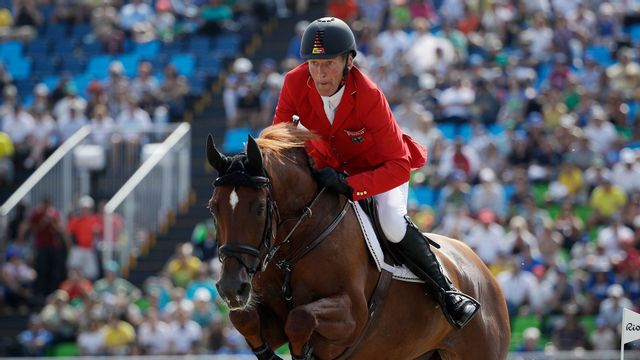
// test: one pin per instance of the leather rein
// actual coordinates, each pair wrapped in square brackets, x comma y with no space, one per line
[266,251]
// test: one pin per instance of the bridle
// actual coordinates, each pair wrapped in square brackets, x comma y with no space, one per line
[266,251]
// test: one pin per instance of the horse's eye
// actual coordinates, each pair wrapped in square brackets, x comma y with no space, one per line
[261,208]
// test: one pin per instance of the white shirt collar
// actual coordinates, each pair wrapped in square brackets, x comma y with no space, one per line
[331,103]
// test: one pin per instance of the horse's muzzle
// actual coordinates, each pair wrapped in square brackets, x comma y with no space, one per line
[235,292]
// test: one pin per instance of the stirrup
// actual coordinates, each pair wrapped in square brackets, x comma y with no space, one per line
[443,303]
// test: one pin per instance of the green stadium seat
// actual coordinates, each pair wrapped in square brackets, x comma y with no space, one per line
[519,324]
[66,349]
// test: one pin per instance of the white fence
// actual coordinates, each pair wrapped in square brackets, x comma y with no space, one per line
[55,179]
[147,201]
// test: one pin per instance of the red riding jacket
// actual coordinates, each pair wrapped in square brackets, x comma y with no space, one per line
[365,140]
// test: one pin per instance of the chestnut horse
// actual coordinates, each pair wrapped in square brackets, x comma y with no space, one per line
[295,268]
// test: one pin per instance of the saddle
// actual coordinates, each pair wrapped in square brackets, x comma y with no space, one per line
[368,205]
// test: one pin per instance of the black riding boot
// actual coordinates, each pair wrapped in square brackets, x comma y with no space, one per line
[414,251]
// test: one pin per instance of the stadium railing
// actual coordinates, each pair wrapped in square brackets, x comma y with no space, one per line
[54,179]
[148,200]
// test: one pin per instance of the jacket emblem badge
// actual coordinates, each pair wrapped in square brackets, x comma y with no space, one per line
[356,136]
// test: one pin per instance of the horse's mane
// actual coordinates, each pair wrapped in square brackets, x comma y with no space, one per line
[281,137]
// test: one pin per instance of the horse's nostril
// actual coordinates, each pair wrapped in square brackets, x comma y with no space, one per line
[244,289]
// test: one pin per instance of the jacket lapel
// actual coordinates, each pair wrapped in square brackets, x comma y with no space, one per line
[346,105]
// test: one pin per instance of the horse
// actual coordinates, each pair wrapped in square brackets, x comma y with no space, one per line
[295,268]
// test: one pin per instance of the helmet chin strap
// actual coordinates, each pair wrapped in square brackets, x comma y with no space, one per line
[345,74]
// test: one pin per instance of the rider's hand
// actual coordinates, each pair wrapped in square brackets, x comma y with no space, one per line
[333,180]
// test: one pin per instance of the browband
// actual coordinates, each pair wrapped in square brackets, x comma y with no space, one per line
[240,178]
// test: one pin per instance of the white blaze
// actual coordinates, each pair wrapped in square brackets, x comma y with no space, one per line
[233,199]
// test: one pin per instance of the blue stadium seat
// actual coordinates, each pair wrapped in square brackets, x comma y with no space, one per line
[56,32]
[43,66]
[92,48]
[20,69]
[37,47]
[465,132]
[448,130]
[211,65]
[227,45]
[634,34]
[130,64]
[82,82]
[51,81]
[199,44]
[196,85]
[72,64]
[63,48]
[10,51]
[496,129]
[79,31]
[99,66]
[184,63]
[24,87]
[600,54]
[234,140]
[147,50]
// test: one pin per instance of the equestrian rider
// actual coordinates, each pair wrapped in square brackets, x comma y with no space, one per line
[360,137]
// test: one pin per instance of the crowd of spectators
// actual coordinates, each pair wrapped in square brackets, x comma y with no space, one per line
[529,113]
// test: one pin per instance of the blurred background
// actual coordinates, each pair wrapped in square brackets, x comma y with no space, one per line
[529,111]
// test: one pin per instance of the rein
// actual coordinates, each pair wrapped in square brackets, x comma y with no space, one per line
[241,178]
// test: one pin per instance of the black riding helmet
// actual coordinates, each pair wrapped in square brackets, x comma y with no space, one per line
[327,38]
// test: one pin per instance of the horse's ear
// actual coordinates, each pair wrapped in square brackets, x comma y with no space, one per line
[254,155]
[215,157]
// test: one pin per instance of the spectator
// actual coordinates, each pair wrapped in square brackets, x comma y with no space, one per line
[17,279]
[91,338]
[70,101]
[184,266]
[113,285]
[603,338]
[6,160]
[611,308]
[36,340]
[84,228]
[173,92]
[215,16]
[606,200]
[145,83]
[601,134]
[520,288]
[488,194]
[49,238]
[77,286]
[202,281]
[135,14]
[59,317]
[530,341]
[119,336]
[487,237]
[19,125]
[102,126]
[626,173]
[569,334]
[154,335]
[186,334]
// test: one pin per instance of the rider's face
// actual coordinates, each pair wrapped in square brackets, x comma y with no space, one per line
[327,74]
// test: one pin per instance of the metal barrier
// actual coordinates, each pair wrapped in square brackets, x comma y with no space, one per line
[54,179]
[149,199]
[80,167]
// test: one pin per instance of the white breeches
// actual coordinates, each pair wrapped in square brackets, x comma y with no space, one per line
[392,207]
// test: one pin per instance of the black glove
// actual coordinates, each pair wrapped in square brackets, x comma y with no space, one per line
[333,180]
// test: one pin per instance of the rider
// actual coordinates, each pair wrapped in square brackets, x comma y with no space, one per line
[361,138]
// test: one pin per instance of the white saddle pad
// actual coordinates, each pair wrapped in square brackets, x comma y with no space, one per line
[401,273]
